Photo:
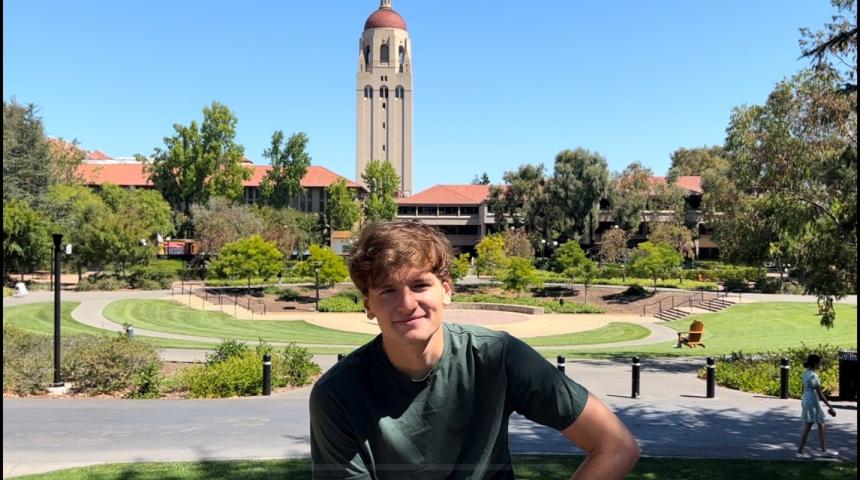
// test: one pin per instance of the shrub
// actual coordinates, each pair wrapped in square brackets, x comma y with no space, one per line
[27,361]
[107,364]
[227,349]
[297,366]
[346,302]
[768,285]
[287,295]
[635,291]
[100,281]
[147,382]
[760,373]
[237,375]
[158,274]
[610,270]
[7,292]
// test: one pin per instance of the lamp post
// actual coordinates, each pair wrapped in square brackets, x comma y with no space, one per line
[543,245]
[58,238]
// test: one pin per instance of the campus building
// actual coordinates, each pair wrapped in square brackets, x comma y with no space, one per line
[99,168]
[383,95]
[463,214]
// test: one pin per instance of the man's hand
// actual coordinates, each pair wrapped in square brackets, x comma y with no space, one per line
[612,450]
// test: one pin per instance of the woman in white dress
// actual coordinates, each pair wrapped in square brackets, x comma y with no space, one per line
[811,408]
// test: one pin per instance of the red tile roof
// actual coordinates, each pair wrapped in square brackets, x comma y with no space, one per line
[449,195]
[97,155]
[131,174]
[691,183]
[122,174]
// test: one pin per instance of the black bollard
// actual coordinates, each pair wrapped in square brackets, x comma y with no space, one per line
[267,374]
[560,363]
[711,371]
[636,365]
[340,356]
[783,378]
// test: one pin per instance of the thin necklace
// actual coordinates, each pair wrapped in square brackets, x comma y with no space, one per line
[425,377]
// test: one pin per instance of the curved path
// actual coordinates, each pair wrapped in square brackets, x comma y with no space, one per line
[92,304]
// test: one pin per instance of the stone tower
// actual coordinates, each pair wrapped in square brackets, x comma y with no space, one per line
[383,95]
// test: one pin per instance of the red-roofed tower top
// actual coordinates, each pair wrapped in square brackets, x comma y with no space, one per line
[385,17]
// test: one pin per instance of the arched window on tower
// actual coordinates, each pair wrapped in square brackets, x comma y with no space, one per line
[368,92]
[383,91]
[399,92]
[401,55]
[383,53]
[366,57]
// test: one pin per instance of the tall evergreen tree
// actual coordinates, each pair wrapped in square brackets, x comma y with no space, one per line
[290,162]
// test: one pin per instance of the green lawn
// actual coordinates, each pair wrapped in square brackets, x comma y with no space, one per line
[39,318]
[165,316]
[614,332]
[749,328]
[526,467]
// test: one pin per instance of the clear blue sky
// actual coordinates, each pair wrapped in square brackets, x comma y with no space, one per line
[497,83]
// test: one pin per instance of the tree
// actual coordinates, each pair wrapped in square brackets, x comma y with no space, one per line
[77,212]
[290,229]
[794,169]
[332,267]
[26,154]
[342,210]
[629,198]
[460,267]
[695,161]
[517,245]
[568,258]
[580,181]
[382,182]
[484,179]
[65,158]
[667,203]
[613,245]
[678,236]
[491,254]
[587,272]
[220,221]
[655,261]
[27,239]
[199,162]
[248,258]
[520,274]
[510,203]
[290,163]
[837,47]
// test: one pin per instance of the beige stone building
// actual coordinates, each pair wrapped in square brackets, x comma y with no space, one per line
[383,95]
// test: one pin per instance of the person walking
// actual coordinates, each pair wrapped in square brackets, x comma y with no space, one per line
[811,408]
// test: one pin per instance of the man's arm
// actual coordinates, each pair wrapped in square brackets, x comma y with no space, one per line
[612,450]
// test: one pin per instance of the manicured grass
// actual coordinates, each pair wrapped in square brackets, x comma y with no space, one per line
[165,316]
[527,467]
[39,318]
[749,328]
[614,332]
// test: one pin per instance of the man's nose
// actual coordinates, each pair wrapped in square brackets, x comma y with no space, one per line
[408,301]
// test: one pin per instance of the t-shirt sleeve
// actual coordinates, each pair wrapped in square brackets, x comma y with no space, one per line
[813,381]
[538,390]
[335,450]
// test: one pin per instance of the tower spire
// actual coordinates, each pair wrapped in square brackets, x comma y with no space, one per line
[385,4]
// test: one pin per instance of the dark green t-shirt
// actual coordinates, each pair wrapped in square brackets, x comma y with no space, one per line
[368,420]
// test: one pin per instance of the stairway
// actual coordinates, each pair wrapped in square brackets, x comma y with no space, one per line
[677,313]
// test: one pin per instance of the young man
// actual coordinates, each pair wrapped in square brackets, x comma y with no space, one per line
[427,399]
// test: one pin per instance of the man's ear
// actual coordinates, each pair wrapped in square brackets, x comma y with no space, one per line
[449,292]
[370,315]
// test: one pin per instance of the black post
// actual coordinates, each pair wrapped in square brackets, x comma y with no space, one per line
[317,274]
[340,356]
[58,382]
[711,371]
[560,363]
[636,365]
[783,378]
[267,374]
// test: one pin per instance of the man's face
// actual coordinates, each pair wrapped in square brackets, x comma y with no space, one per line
[408,306]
